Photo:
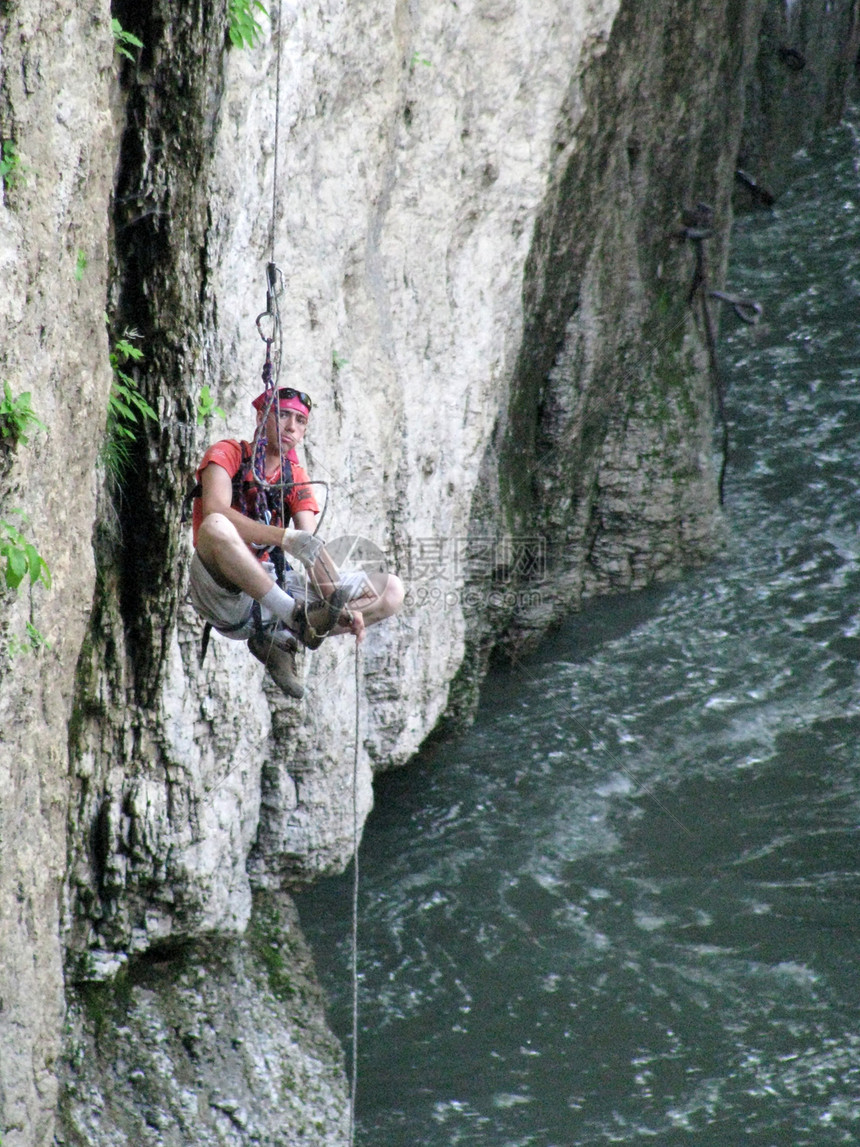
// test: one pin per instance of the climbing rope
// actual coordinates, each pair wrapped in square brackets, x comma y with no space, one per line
[272,384]
[355,886]
[747,310]
[697,228]
[277,129]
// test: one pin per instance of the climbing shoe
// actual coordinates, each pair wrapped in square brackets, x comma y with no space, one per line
[313,621]
[278,654]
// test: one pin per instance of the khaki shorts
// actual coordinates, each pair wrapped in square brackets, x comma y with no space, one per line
[229,611]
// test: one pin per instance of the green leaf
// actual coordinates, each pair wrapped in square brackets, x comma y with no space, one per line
[37,566]
[129,350]
[126,406]
[17,416]
[34,560]
[122,39]
[16,567]
[37,641]
[206,406]
[21,556]
[12,171]
[121,409]
[143,406]
[242,26]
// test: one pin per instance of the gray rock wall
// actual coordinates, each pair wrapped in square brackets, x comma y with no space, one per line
[220,1042]
[56,113]
[602,453]
[477,211]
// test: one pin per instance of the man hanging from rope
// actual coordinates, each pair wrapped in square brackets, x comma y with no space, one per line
[245,496]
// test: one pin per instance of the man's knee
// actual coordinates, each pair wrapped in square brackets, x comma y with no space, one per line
[392,596]
[216,531]
[218,544]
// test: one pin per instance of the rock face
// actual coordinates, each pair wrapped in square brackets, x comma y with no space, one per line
[602,453]
[807,54]
[478,213]
[56,117]
[222,1042]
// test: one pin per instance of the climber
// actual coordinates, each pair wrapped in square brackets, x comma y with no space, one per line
[240,537]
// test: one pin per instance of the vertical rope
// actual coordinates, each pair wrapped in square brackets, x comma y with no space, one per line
[275,389]
[354,1082]
[274,225]
[277,392]
[277,126]
[719,389]
[697,229]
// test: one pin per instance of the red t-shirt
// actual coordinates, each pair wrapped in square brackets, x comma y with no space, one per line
[228,455]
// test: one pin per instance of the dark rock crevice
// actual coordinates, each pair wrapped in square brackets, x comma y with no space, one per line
[158,287]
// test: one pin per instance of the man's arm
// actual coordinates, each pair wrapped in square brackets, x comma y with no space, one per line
[325,575]
[305,520]
[216,498]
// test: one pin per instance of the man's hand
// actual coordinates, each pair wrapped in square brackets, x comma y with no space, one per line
[355,626]
[302,545]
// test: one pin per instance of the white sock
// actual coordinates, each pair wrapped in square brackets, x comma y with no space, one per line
[280,604]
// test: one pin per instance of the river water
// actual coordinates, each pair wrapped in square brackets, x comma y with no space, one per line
[623,907]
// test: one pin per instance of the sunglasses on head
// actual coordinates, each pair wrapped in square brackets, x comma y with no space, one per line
[288,392]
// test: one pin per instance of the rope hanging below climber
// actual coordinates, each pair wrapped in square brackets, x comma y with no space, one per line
[697,229]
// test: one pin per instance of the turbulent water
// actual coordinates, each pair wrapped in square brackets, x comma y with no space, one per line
[624,906]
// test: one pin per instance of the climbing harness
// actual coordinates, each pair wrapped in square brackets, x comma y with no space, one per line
[697,229]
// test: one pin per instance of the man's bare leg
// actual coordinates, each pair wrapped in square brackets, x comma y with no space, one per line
[384,600]
[229,560]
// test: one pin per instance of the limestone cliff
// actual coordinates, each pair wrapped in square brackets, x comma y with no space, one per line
[56,118]
[478,212]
